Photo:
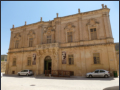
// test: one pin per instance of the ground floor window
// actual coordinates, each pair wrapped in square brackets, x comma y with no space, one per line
[96,58]
[71,60]
[14,61]
[29,61]
[13,72]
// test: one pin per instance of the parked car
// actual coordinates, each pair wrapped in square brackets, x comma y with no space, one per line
[1,75]
[26,72]
[98,73]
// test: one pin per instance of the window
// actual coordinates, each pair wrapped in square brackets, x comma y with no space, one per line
[13,72]
[96,58]
[69,34]
[97,71]
[93,33]
[16,43]
[49,39]
[102,71]
[25,70]
[29,61]
[14,61]
[30,42]
[22,71]
[71,60]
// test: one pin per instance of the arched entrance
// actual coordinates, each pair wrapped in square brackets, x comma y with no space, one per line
[47,63]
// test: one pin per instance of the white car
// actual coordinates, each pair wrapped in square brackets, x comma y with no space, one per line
[26,72]
[98,73]
[1,75]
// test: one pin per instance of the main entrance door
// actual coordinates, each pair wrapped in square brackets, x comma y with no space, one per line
[47,63]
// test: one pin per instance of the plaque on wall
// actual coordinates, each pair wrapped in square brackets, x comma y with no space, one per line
[34,59]
[63,57]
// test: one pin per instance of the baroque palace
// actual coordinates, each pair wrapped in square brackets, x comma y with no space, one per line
[81,43]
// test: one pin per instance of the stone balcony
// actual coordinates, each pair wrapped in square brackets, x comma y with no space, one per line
[47,46]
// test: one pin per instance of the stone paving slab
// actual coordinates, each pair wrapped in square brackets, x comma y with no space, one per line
[9,82]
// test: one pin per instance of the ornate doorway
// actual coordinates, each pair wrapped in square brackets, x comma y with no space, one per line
[47,63]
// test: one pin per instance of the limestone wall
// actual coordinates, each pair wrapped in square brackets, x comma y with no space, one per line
[3,66]
[117,57]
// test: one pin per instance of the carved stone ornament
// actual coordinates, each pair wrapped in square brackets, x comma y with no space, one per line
[49,30]
[92,22]
[17,36]
[31,33]
[69,27]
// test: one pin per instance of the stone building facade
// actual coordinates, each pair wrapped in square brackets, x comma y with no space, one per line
[80,43]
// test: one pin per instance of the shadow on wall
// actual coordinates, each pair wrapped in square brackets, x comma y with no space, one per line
[112,88]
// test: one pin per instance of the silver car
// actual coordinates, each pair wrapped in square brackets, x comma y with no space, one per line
[26,72]
[98,73]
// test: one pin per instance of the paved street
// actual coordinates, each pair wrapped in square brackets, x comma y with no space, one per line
[57,83]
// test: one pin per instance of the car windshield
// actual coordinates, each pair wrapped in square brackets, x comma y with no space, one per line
[30,70]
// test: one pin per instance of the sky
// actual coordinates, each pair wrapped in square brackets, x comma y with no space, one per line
[17,12]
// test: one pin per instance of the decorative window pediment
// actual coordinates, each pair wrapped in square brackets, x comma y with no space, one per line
[49,30]
[92,22]
[31,34]
[69,30]
[17,36]
[69,27]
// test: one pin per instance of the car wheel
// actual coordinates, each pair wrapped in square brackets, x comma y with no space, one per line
[18,74]
[106,76]
[90,76]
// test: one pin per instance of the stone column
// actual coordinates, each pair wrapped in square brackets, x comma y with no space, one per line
[111,58]
[10,40]
[56,62]
[23,38]
[57,32]
[37,64]
[106,25]
[109,26]
[80,29]
[83,63]
[41,29]
[41,64]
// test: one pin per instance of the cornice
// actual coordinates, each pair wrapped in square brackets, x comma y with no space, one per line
[59,18]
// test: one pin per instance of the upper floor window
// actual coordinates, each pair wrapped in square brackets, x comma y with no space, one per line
[30,42]
[96,58]
[69,35]
[29,61]
[14,61]
[93,33]
[71,59]
[16,43]
[49,39]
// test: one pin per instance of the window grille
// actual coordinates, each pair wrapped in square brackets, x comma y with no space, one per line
[93,33]
[49,39]
[96,58]
[69,36]
[16,43]
[29,61]
[71,59]
[14,61]
[30,42]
